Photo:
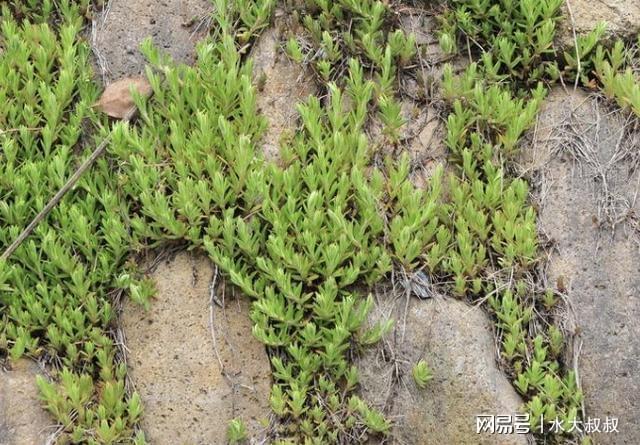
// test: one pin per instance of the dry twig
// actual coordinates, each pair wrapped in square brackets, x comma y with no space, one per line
[63,191]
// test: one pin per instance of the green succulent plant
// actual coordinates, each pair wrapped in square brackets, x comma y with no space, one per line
[305,238]
[422,374]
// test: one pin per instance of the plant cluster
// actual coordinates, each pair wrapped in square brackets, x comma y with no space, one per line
[513,39]
[56,291]
[491,221]
[54,299]
[296,238]
[236,431]
[300,238]
[421,373]
[203,127]
[191,163]
[360,29]
[498,226]
[619,81]
[43,11]
[320,234]
[493,102]
[305,238]
[416,235]
[536,360]
[243,19]
[483,232]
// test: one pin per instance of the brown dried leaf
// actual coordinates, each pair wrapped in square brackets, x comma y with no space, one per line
[116,100]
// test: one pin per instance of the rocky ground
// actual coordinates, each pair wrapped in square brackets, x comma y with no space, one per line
[457,341]
[22,421]
[192,357]
[583,156]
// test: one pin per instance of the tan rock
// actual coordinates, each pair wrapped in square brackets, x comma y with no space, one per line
[23,421]
[621,16]
[583,157]
[173,363]
[457,342]
[118,31]
[281,84]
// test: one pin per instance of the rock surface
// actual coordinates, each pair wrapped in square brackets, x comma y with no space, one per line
[622,17]
[585,161]
[176,367]
[281,84]
[422,107]
[23,421]
[423,137]
[174,26]
[457,342]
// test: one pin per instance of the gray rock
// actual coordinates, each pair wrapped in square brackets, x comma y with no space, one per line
[420,25]
[281,85]
[421,138]
[584,160]
[175,366]
[621,16]
[457,342]
[23,421]
[174,26]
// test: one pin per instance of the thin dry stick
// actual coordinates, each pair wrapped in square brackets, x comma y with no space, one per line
[63,191]
[15,130]
[214,300]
